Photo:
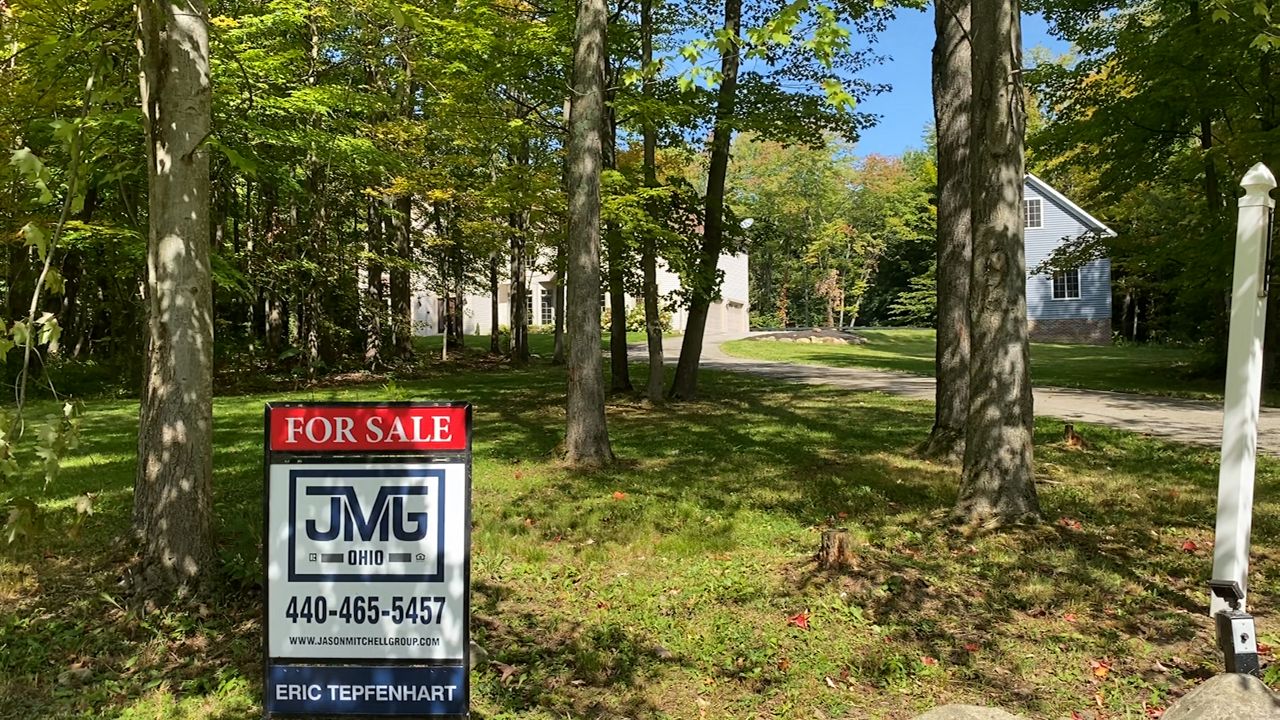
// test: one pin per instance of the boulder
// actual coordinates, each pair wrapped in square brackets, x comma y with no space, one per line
[1227,697]
[967,712]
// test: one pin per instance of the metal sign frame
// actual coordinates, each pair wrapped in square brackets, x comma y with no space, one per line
[337,667]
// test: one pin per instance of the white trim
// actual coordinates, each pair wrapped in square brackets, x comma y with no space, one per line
[1026,206]
[1066,287]
[1061,200]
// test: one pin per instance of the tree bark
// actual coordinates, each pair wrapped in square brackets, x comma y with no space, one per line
[685,385]
[649,252]
[173,486]
[557,286]
[519,293]
[586,436]
[619,369]
[952,88]
[998,484]
[401,300]
[375,301]
[495,344]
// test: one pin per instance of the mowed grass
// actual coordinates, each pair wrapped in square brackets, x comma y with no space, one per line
[672,584]
[1152,369]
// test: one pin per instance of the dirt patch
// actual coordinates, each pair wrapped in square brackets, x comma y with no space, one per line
[821,336]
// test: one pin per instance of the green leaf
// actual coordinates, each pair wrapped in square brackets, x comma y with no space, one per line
[34,236]
[20,332]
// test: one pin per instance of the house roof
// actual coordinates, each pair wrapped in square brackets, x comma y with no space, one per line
[1069,207]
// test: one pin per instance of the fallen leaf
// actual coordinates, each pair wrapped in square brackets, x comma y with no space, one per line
[784,664]
[619,495]
[926,660]
[519,475]
[505,671]
[1100,668]
[1189,546]
[842,515]
[1264,648]
[1070,523]
[831,683]
[1069,617]
[971,647]
[800,620]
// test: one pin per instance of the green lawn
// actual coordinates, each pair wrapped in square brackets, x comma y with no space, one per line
[1154,369]
[663,586]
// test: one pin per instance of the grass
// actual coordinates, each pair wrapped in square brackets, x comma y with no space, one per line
[1151,369]
[667,585]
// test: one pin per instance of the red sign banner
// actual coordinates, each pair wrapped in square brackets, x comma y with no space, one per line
[337,428]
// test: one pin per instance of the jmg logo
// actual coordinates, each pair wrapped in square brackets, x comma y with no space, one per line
[349,519]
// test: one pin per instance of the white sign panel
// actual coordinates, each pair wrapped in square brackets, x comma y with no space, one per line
[367,561]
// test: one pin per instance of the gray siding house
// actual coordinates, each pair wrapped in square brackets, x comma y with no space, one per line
[1072,306]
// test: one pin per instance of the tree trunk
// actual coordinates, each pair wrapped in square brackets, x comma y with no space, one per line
[998,485]
[586,436]
[495,344]
[401,298]
[685,385]
[649,253]
[519,293]
[557,286]
[835,551]
[952,88]
[173,486]
[374,300]
[619,369]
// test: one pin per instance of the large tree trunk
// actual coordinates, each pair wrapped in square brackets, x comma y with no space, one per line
[586,437]
[952,88]
[173,486]
[401,295]
[619,368]
[998,485]
[685,385]
[649,253]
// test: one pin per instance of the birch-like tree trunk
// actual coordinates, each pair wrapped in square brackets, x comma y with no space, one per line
[952,89]
[998,484]
[685,384]
[401,292]
[173,486]
[586,438]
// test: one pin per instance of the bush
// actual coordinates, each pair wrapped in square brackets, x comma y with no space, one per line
[635,319]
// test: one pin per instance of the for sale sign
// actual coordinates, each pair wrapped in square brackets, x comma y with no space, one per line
[367,546]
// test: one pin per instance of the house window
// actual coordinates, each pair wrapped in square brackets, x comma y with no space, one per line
[548,306]
[528,304]
[1066,285]
[1032,213]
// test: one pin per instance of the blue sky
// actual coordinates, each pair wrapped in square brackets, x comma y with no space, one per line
[908,108]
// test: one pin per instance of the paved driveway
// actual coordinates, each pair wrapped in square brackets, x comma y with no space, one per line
[1189,421]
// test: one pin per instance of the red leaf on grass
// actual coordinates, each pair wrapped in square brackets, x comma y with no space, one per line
[1190,546]
[800,620]
[1070,523]
[971,647]
[926,660]
[1069,617]
[619,495]
[1264,648]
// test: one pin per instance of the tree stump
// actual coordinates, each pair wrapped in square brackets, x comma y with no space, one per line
[836,550]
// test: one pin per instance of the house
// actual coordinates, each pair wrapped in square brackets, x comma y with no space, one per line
[1072,306]
[729,314]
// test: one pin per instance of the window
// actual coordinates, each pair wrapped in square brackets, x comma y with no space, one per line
[1066,285]
[1032,215]
[548,305]
[528,304]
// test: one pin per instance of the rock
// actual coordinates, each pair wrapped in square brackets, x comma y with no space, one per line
[804,339]
[478,655]
[967,712]
[768,338]
[1227,697]
[785,339]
